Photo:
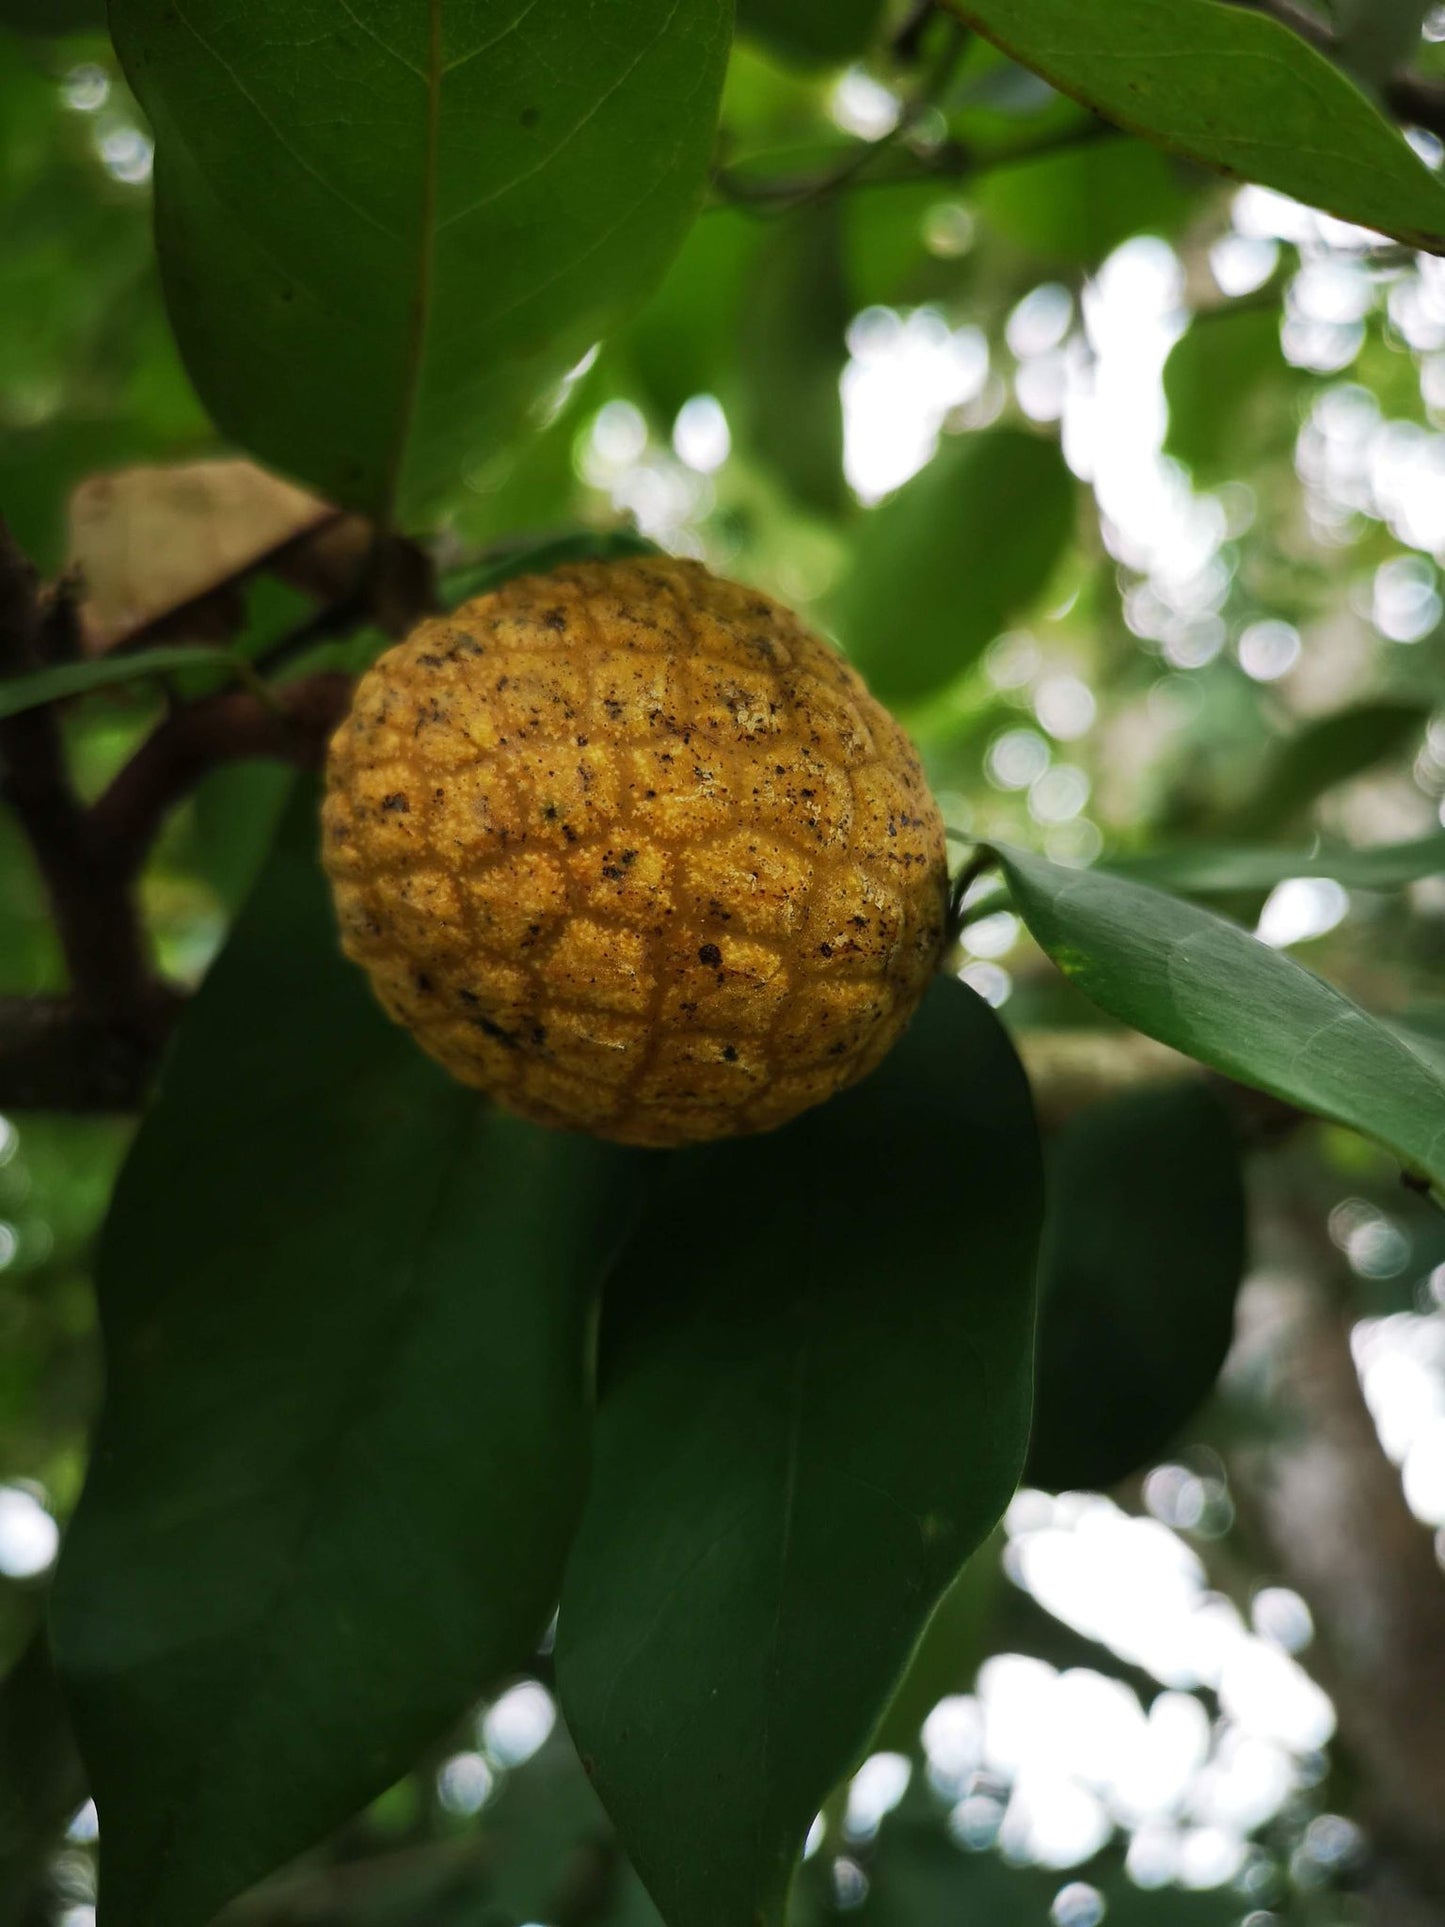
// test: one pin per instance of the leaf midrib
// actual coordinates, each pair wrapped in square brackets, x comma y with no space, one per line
[426,266]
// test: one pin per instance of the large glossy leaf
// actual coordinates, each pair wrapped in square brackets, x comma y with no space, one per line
[388,229]
[1232,88]
[345,1306]
[814,1399]
[812,33]
[1143,1256]
[958,552]
[1196,981]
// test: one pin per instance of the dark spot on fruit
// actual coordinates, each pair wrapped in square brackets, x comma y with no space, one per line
[825,950]
[730,1053]
[396,803]
[710,955]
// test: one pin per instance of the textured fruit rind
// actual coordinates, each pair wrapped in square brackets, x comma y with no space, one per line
[629,847]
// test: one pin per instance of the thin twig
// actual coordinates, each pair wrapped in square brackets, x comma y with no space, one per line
[865,164]
[982,860]
[96,1046]
[952,160]
[291,725]
[99,931]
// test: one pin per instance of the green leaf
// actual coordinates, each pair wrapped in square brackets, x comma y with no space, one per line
[1228,387]
[345,1433]
[1078,205]
[955,1643]
[1322,754]
[19,693]
[234,817]
[53,18]
[961,550]
[1208,988]
[815,1393]
[1202,870]
[812,33]
[1143,1256]
[1232,88]
[388,231]
[1426,1038]
[684,342]
[792,347]
[41,1781]
[1377,36]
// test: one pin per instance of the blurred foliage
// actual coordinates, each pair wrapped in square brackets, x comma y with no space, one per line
[1126,1356]
[822,33]
[942,566]
[1237,638]
[660,1637]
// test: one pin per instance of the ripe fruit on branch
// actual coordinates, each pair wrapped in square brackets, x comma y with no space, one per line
[630,848]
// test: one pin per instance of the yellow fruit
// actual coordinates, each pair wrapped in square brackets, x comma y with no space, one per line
[630,848]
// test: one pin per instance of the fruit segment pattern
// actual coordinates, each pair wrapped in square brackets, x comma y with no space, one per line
[631,848]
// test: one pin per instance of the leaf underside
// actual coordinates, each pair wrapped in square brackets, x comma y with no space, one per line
[814,1404]
[346,1424]
[1207,987]
[387,230]
[1232,88]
